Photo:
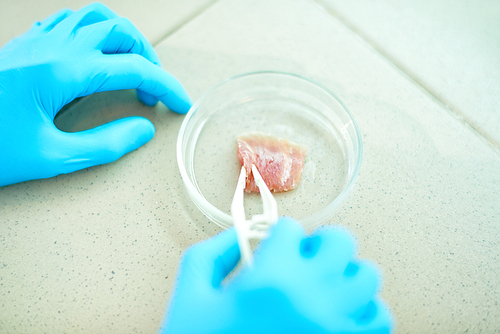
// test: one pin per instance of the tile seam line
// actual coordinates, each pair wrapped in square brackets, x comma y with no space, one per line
[450,109]
[189,18]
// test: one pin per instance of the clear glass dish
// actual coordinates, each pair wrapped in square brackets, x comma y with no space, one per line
[280,104]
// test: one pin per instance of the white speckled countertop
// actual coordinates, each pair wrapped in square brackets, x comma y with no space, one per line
[97,250]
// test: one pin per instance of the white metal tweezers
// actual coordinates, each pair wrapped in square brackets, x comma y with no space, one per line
[257,227]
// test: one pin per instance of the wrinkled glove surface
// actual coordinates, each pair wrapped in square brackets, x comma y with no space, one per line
[69,55]
[298,284]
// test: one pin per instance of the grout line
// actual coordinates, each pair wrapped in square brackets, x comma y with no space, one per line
[195,14]
[402,69]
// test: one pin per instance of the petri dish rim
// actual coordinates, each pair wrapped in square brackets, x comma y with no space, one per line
[185,147]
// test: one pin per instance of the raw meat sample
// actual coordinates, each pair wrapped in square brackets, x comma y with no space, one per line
[278,161]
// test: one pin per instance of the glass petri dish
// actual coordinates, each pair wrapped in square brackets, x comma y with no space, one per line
[280,104]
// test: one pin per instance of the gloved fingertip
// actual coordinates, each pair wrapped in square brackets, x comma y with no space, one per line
[287,220]
[376,317]
[180,104]
[286,233]
[186,105]
[211,260]
[145,130]
[288,223]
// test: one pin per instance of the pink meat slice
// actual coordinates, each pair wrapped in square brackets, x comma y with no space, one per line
[279,161]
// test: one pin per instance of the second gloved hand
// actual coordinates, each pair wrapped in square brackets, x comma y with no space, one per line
[298,284]
[70,55]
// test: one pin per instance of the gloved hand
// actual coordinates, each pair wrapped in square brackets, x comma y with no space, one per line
[298,284]
[70,55]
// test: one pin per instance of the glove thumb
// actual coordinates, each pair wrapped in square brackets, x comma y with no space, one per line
[102,144]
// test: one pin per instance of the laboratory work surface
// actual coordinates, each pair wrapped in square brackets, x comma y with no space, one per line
[97,251]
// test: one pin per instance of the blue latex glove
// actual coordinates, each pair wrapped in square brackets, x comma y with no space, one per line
[70,55]
[298,284]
